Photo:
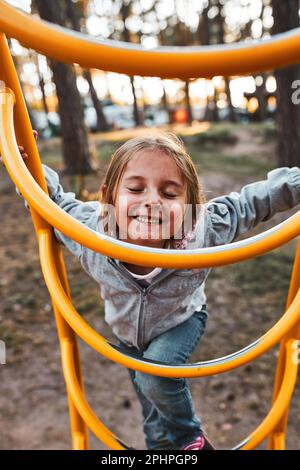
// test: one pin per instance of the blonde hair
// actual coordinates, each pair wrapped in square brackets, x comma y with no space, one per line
[166,142]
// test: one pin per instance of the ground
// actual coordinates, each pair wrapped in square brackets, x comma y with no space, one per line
[244,301]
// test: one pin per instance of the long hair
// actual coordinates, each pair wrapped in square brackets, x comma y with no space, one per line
[166,142]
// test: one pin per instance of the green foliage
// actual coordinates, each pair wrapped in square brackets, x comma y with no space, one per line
[215,135]
[270,132]
[265,274]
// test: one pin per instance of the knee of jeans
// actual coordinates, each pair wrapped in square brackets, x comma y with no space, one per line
[154,387]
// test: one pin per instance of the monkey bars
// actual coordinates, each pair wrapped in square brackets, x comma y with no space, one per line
[15,127]
[166,62]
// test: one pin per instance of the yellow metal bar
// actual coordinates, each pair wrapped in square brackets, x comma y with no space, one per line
[280,429]
[97,342]
[164,62]
[48,210]
[279,441]
[79,441]
[25,137]
[22,125]
[281,403]
[98,428]
[45,235]
[167,62]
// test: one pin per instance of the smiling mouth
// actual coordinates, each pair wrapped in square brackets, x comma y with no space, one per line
[147,220]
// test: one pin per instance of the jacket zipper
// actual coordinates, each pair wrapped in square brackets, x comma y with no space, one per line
[132,280]
[140,335]
[143,291]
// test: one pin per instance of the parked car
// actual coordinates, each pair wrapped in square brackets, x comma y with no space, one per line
[119,117]
[156,117]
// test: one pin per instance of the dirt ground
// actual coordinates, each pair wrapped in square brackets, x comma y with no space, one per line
[33,403]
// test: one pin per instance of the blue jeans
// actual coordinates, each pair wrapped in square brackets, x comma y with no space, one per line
[169,418]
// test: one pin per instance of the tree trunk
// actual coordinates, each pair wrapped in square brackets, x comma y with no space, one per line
[166,104]
[76,151]
[34,58]
[77,158]
[183,39]
[125,11]
[164,100]
[101,119]
[232,115]
[287,113]
[204,33]
[74,13]
[261,95]
[261,91]
[136,113]
[221,40]
[188,102]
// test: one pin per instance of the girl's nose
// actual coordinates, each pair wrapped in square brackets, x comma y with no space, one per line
[154,206]
[152,198]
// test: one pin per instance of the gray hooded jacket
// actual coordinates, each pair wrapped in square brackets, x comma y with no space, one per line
[138,314]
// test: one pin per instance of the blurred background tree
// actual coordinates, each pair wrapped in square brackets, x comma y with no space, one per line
[77,157]
[286,17]
[70,101]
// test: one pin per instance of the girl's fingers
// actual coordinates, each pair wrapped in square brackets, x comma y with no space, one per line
[24,155]
[21,148]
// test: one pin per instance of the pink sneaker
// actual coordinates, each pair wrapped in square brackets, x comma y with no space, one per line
[201,443]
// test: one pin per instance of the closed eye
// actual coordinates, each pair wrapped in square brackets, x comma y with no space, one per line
[139,190]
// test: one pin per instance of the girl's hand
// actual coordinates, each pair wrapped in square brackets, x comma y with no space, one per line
[24,155]
[22,150]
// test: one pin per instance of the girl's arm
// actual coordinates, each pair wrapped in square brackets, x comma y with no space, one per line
[84,212]
[230,216]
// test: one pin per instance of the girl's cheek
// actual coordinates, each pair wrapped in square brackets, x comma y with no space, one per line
[122,206]
[176,214]
[173,220]
[121,217]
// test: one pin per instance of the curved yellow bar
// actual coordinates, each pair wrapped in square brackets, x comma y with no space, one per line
[280,405]
[23,128]
[277,437]
[46,214]
[49,211]
[105,435]
[100,344]
[166,62]
[87,414]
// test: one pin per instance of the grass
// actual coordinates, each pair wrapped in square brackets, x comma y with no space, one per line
[268,273]
[236,167]
[217,134]
[105,150]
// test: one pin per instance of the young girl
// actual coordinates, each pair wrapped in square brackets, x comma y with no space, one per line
[160,314]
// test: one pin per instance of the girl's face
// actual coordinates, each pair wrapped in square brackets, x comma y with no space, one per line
[150,200]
